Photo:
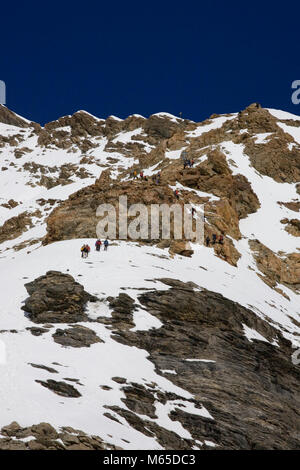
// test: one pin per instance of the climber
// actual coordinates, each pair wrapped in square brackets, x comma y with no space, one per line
[106,244]
[141,175]
[98,245]
[214,238]
[134,174]
[145,178]
[192,163]
[221,239]
[176,193]
[82,249]
[193,211]
[207,240]
[185,164]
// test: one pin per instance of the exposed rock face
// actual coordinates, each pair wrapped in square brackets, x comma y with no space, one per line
[9,117]
[159,127]
[292,226]
[51,176]
[122,310]
[56,298]
[293,205]
[181,248]
[45,437]
[15,226]
[273,157]
[10,204]
[76,218]
[284,270]
[77,337]
[214,176]
[60,388]
[248,387]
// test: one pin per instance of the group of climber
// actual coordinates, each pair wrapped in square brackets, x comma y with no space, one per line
[187,162]
[155,178]
[98,244]
[134,175]
[85,249]
[215,240]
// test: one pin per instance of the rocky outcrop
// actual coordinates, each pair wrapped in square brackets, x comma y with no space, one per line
[293,205]
[274,159]
[122,310]
[43,436]
[292,226]
[10,204]
[214,176]
[249,387]
[9,117]
[60,388]
[77,337]
[180,248]
[284,269]
[159,127]
[15,226]
[56,298]
[76,217]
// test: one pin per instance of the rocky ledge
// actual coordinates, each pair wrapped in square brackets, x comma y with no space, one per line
[44,437]
[56,298]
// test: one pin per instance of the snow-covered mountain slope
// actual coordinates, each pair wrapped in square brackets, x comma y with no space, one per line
[135,390]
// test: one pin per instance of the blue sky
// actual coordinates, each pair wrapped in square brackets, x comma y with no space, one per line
[132,57]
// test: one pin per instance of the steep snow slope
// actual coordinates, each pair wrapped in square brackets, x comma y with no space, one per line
[26,401]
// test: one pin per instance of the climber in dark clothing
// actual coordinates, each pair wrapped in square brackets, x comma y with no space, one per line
[193,211]
[98,245]
[207,240]
[106,244]
[221,239]
[214,238]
